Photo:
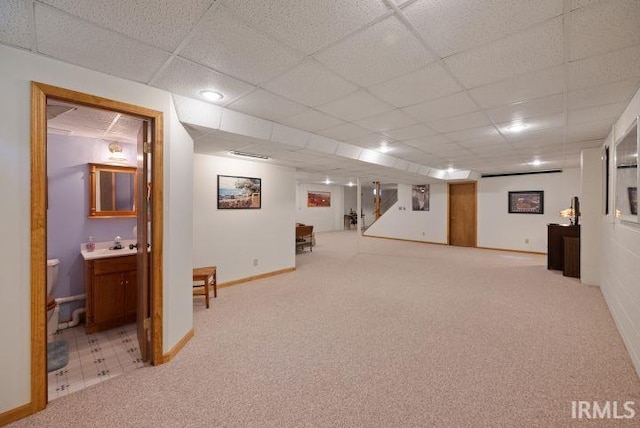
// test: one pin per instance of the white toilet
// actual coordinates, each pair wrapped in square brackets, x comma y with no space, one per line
[53,311]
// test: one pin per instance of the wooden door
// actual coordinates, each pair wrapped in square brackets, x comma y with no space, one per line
[462,214]
[143,302]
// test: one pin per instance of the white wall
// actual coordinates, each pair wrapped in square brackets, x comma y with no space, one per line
[496,227]
[350,199]
[17,69]
[321,218]
[591,211]
[428,226]
[232,239]
[621,258]
[499,229]
[178,232]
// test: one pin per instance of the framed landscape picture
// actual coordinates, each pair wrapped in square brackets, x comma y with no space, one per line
[526,202]
[238,193]
[318,199]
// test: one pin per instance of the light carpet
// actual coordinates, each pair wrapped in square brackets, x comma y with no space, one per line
[379,333]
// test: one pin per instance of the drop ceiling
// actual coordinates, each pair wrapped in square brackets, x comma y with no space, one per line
[481,85]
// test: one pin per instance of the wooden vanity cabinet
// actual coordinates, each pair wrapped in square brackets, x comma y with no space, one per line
[111,292]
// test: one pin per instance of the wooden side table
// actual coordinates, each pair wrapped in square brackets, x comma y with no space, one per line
[207,276]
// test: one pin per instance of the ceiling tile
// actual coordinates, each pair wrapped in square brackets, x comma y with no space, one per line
[383,51]
[371,141]
[307,25]
[311,120]
[522,88]
[576,4]
[480,133]
[186,78]
[409,132]
[140,19]
[532,125]
[537,48]
[603,27]
[451,105]
[311,84]
[16,25]
[541,133]
[611,67]
[357,105]
[416,87]
[597,113]
[605,94]
[227,45]
[482,145]
[386,121]
[78,42]
[457,123]
[427,143]
[264,104]
[344,132]
[522,110]
[454,26]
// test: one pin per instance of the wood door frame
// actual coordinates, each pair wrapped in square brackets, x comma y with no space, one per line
[39,94]
[475,207]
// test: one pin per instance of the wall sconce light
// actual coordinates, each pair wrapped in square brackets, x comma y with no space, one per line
[116,154]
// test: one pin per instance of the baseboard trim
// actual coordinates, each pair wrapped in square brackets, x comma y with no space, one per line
[512,251]
[253,278]
[16,414]
[405,240]
[177,347]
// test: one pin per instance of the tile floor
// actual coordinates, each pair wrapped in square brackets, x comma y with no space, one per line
[94,358]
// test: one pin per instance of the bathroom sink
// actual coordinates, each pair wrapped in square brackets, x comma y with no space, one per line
[100,253]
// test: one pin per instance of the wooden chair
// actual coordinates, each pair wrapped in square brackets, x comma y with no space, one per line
[304,236]
[206,276]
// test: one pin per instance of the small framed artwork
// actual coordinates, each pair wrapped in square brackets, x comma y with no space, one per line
[420,197]
[526,202]
[318,199]
[238,193]
[633,200]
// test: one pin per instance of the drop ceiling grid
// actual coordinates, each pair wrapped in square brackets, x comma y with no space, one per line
[603,75]
[223,43]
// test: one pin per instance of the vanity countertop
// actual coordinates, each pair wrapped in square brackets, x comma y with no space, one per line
[102,250]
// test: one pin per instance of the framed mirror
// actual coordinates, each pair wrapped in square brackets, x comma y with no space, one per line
[112,191]
[627,177]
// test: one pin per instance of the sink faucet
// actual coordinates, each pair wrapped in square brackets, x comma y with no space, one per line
[117,243]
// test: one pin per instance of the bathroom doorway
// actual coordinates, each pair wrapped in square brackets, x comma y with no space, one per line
[148,294]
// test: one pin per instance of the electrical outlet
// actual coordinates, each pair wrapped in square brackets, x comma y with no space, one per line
[424,234]
[255,262]
[526,241]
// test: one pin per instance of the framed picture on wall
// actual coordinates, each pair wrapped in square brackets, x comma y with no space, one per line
[318,199]
[633,200]
[420,197]
[238,193]
[526,202]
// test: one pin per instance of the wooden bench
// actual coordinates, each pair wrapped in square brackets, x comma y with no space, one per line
[206,276]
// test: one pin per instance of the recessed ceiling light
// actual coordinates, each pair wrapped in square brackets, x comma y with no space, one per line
[384,148]
[451,169]
[327,181]
[350,184]
[517,127]
[211,95]
[536,162]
